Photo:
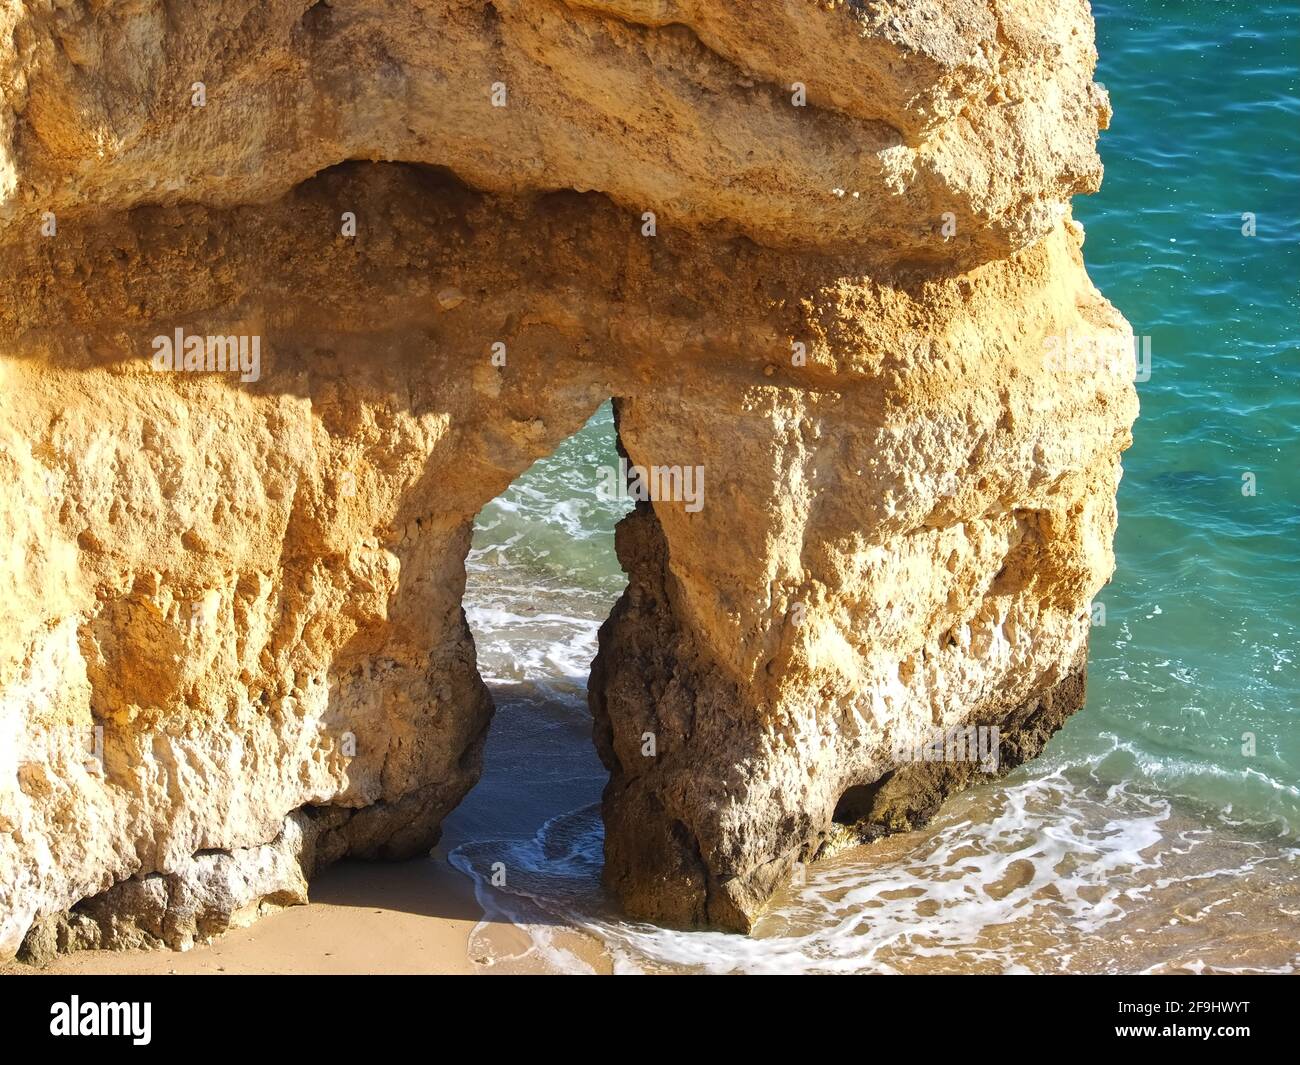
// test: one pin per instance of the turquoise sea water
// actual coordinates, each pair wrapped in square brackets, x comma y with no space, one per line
[1159,831]
[1203,617]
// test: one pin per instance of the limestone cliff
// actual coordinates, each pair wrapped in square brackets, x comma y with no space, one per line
[820,250]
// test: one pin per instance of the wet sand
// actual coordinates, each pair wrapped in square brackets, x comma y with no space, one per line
[916,902]
[1045,872]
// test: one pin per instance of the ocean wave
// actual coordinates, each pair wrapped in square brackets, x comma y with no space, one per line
[1054,874]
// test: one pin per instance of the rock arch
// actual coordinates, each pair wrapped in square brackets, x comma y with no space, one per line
[902,531]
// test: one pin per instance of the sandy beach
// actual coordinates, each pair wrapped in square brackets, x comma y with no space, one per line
[417,916]
[411,917]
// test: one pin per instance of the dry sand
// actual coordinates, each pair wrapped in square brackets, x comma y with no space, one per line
[409,917]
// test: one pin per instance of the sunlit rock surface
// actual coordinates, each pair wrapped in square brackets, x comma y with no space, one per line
[864,320]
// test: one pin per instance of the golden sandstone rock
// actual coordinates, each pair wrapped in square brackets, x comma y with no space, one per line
[818,250]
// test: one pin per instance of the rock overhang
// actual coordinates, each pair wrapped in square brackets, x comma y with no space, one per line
[833,126]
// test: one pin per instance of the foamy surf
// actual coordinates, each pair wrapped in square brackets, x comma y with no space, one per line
[1091,859]
[1048,875]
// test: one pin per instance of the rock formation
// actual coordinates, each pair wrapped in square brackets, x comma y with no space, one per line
[820,250]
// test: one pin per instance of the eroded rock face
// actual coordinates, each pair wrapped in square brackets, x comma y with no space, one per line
[251,581]
[683,107]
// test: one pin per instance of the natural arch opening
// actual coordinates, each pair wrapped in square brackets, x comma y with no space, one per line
[541,578]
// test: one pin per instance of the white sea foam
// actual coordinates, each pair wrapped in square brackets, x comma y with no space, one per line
[1049,875]
[1086,860]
